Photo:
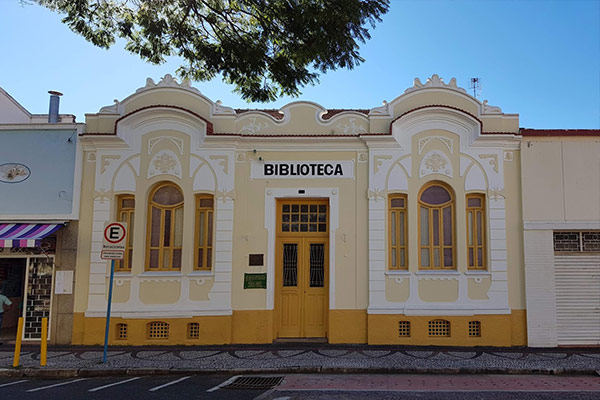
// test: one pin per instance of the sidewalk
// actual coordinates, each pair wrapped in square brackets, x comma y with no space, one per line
[67,361]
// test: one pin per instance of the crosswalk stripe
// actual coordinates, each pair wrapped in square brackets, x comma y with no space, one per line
[154,389]
[113,384]
[13,383]
[57,384]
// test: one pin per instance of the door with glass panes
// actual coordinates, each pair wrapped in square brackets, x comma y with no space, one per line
[302,301]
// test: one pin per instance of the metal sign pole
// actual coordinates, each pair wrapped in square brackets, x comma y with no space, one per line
[110,288]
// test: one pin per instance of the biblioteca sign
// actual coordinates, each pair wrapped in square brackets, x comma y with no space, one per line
[302,169]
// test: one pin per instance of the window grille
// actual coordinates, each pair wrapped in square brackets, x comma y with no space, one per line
[121,331]
[193,329]
[577,241]
[475,328]
[404,328]
[158,330]
[439,327]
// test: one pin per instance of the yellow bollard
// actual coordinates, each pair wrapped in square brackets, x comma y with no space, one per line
[44,344]
[18,343]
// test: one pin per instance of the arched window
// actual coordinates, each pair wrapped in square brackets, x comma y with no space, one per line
[165,228]
[436,227]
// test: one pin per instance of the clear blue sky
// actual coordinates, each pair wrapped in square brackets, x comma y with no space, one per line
[540,59]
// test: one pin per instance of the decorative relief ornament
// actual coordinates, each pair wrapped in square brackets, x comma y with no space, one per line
[253,127]
[376,194]
[378,162]
[105,163]
[351,128]
[363,157]
[168,81]
[91,156]
[382,110]
[509,156]
[223,161]
[434,82]
[102,195]
[176,141]
[240,157]
[219,108]
[493,159]
[164,162]
[225,194]
[14,172]
[448,142]
[435,162]
[495,194]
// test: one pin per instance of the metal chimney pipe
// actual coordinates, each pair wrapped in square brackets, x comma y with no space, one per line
[54,104]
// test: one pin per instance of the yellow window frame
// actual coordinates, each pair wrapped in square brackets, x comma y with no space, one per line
[395,254]
[472,213]
[204,233]
[126,214]
[441,246]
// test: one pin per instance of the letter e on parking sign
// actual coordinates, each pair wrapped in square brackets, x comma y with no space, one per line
[113,241]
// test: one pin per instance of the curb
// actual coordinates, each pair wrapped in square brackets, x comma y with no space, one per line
[92,373]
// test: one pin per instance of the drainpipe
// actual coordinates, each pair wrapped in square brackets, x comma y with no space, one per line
[54,104]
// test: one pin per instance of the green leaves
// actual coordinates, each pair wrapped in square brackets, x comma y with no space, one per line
[266,48]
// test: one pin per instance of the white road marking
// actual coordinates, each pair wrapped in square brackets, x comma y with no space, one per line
[113,384]
[227,382]
[13,383]
[57,384]
[154,389]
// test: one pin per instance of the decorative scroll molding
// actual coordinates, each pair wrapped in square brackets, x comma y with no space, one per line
[382,110]
[160,279]
[435,162]
[164,162]
[253,127]
[220,109]
[154,141]
[375,194]
[378,162]
[225,194]
[434,82]
[495,194]
[103,195]
[487,109]
[509,156]
[112,109]
[351,128]
[168,81]
[448,142]
[199,281]
[399,280]
[493,159]
[105,163]
[438,277]
[222,161]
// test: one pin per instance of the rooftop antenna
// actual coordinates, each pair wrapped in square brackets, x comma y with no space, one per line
[476,87]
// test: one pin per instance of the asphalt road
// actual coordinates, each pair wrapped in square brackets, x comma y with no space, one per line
[409,387]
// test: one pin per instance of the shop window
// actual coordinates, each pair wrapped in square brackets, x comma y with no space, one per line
[158,330]
[165,228]
[476,248]
[204,232]
[126,213]
[475,328]
[193,330]
[397,222]
[121,331]
[436,227]
[439,327]
[404,328]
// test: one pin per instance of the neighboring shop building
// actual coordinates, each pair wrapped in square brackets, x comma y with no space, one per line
[396,225]
[561,213]
[40,175]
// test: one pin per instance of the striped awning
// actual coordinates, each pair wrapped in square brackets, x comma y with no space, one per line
[25,235]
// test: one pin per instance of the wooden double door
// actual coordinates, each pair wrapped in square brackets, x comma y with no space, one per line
[302,271]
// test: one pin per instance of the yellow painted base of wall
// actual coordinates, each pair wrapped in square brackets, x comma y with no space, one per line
[348,326]
[496,330]
[345,326]
[213,330]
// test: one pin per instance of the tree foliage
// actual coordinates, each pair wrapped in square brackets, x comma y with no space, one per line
[266,48]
